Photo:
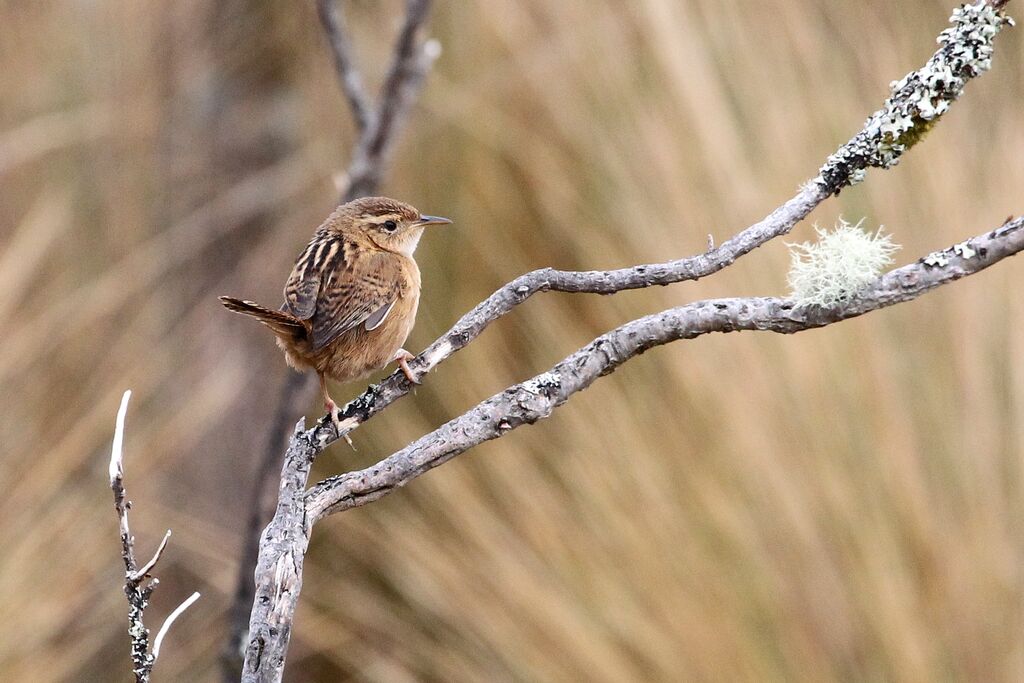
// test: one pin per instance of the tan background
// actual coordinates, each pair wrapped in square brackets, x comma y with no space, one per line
[844,504]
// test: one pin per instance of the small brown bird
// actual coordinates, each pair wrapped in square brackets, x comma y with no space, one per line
[350,301]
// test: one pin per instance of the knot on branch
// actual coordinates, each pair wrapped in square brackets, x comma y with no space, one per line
[919,98]
[530,401]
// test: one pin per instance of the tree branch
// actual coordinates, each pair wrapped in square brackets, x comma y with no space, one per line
[282,549]
[261,507]
[377,128]
[915,104]
[536,398]
[138,594]
[965,52]
[412,59]
[505,299]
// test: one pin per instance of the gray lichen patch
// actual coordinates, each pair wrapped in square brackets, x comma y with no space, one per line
[543,383]
[940,259]
[964,250]
[937,259]
[920,98]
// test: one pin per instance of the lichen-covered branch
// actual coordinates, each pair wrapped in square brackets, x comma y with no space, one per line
[969,22]
[138,586]
[279,571]
[536,398]
[920,97]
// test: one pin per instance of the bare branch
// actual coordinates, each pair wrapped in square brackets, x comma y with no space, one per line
[121,503]
[535,399]
[138,598]
[349,77]
[138,595]
[965,50]
[412,59]
[282,550]
[261,508]
[377,126]
[502,301]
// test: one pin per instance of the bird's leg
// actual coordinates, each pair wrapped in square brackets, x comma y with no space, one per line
[331,407]
[403,357]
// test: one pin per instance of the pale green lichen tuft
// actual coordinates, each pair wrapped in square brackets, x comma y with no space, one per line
[839,265]
[920,98]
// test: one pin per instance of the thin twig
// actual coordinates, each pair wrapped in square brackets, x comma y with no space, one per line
[142,571]
[121,503]
[138,594]
[166,626]
[411,60]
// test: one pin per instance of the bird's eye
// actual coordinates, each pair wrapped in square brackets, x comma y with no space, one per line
[390,226]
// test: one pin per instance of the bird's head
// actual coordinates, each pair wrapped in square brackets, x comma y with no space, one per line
[387,223]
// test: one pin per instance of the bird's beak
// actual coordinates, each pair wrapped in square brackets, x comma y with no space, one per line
[433,220]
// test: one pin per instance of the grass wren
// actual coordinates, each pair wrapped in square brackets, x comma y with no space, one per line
[350,301]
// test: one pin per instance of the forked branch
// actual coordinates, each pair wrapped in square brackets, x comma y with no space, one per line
[377,124]
[138,586]
[536,398]
[412,57]
[916,103]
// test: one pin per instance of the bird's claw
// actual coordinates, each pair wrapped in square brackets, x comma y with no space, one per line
[335,413]
[403,357]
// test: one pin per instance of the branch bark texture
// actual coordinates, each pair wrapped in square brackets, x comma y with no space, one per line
[915,104]
[536,398]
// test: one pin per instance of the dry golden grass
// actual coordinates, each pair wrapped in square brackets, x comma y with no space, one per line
[844,504]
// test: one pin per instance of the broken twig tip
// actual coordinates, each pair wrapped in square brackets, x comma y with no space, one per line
[170,620]
[117,448]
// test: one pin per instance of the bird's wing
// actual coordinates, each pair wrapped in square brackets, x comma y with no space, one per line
[360,293]
[324,254]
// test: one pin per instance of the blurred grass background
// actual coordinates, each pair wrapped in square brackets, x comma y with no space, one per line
[844,504]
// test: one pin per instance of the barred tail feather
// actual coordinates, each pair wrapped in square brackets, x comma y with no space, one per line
[278,321]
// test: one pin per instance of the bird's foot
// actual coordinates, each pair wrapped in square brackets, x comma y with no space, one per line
[332,408]
[403,357]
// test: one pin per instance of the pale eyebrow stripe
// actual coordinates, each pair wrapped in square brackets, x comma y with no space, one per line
[377,220]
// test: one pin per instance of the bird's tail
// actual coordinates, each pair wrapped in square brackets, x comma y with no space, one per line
[278,321]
